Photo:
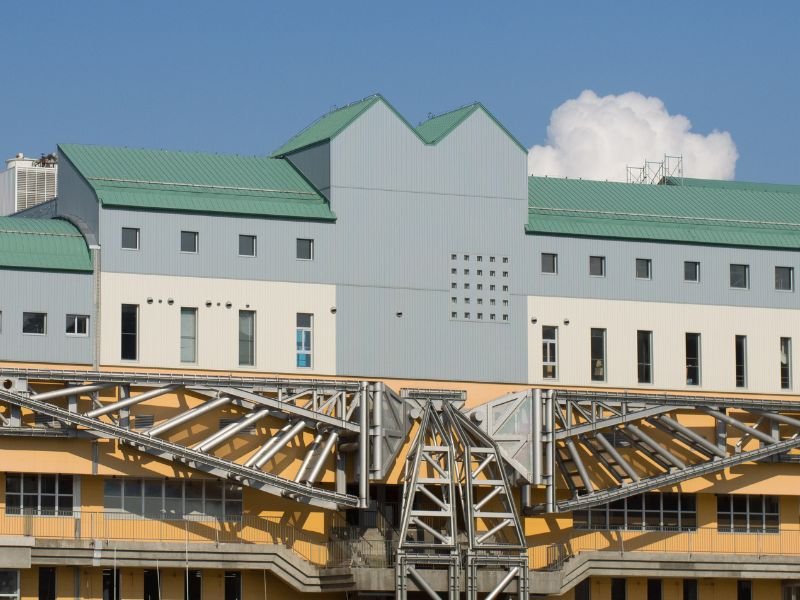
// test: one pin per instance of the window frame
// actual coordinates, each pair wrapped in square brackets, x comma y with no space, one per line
[138,233]
[195,236]
[58,495]
[549,256]
[183,335]
[602,260]
[16,594]
[304,341]
[134,334]
[785,379]
[76,319]
[550,353]
[254,239]
[252,340]
[639,362]
[729,517]
[44,323]
[311,248]
[790,270]
[746,268]
[648,262]
[698,358]
[593,359]
[737,366]
[696,264]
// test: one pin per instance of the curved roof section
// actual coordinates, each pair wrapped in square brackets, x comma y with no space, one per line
[724,215]
[429,132]
[197,182]
[42,244]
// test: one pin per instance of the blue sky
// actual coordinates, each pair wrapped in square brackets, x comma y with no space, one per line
[243,77]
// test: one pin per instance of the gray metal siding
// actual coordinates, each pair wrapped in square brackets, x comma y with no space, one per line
[75,197]
[667,284]
[56,294]
[315,165]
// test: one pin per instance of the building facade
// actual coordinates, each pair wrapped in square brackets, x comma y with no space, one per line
[238,377]
[27,182]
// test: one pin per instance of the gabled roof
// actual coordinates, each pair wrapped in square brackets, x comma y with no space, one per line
[197,182]
[43,244]
[327,126]
[724,215]
[430,132]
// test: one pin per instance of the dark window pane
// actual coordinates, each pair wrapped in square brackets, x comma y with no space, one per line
[618,589]
[691,271]
[129,331]
[740,276]
[305,249]
[247,245]
[233,585]
[692,359]
[189,241]
[643,267]
[653,589]
[35,323]
[47,583]
[152,585]
[597,266]
[247,337]
[744,590]
[598,354]
[784,278]
[644,349]
[741,360]
[549,263]
[111,584]
[689,589]
[130,238]
[193,585]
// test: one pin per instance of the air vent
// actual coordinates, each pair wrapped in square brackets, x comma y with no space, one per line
[143,421]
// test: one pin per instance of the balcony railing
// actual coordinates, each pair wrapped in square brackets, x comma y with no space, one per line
[551,555]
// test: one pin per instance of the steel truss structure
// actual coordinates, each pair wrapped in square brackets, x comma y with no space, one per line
[454,465]
[601,447]
[356,425]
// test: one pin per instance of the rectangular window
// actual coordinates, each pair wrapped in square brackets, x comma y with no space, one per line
[34,323]
[654,589]
[189,241]
[692,359]
[188,335]
[691,271]
[152,585]
[173,498]
[786,363]
[743,513]
[9,584]
[618,589]
[47,583]
[303,339]
[247,245]
[193,586]
[38,494]
[740,276]
[129,332]
[644,268]
[1,321]
[583,591]
[549,352]
[110,584]
[651,511]
[597,266]
[690,589]
[744,590]
[77,325]
[305,249]
[247,338]
[598,354]
[549,263]
[233,585]
[784,279]
[130,238]
[644,356]
[741,361]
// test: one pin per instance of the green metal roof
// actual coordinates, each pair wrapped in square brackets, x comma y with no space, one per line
[327,126]
[47,244]
[197,182]
[431,131]
[725,215]
[735,185]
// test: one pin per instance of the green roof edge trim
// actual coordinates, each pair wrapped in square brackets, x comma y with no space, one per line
[369,101]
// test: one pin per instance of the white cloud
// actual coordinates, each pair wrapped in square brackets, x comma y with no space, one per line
[595,138]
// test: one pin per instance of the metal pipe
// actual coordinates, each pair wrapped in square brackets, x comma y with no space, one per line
[483,465]
[188,415]
[503,583]
[780,418]
[104,410]
[280,444]
[307,457]
[697,439]
[486,535]
[759,435]
[363,451]
[377,428]
[617,456]
[573,452]
[537,437]
[492,494]
[445,539]
[269,444]
[549,466]
[232,429]
[69,391]
[326,451]
[656,447]
[422,584]
[525,496]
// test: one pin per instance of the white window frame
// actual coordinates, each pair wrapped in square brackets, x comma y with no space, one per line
[313,249]
[787,351]
[650,352]
[746,276]
[602,266]
[255,245]
[13,595]
[138,239]
[605,354]
[183,334]
[305,350]
[252,342]
[649,263]
[555,263]
[693,262]
[550,353]
[30,312]
[791,279]
[196,236]
[75,318]
[135,334]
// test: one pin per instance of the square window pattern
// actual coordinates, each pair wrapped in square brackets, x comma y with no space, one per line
[691,271]
[472,285]
[644,268]
[173,498]
[189,241]
[784,279]
[130,238]
[247,245]
[34,323]
[740,277]
[549,263]
[305,249]
[77,325]
[38,494]
[597,266]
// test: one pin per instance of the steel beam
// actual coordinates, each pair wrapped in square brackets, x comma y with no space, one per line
[759,435]
[656,447]
[231,430]
[609,448]
[584,475]
[697,439]
[190,414]
[125,403]
[72,390]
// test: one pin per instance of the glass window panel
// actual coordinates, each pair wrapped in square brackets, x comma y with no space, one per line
[188,335]
[549,263]
[194,497]
[34,323]
[643,268]
[644,350]
[65,484]
[692,359]
[9,582]
[740,276]
[189,241]
[247,245]
[48,484]
[739,503]
[13,483]
[598,354]
[691,271]
[48,504]
[129,331]
[247,319]
[305,249]
[549,352]
[784,279]
[30,484]
[786,363]
[741,360]
[130,238]
[597,266]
